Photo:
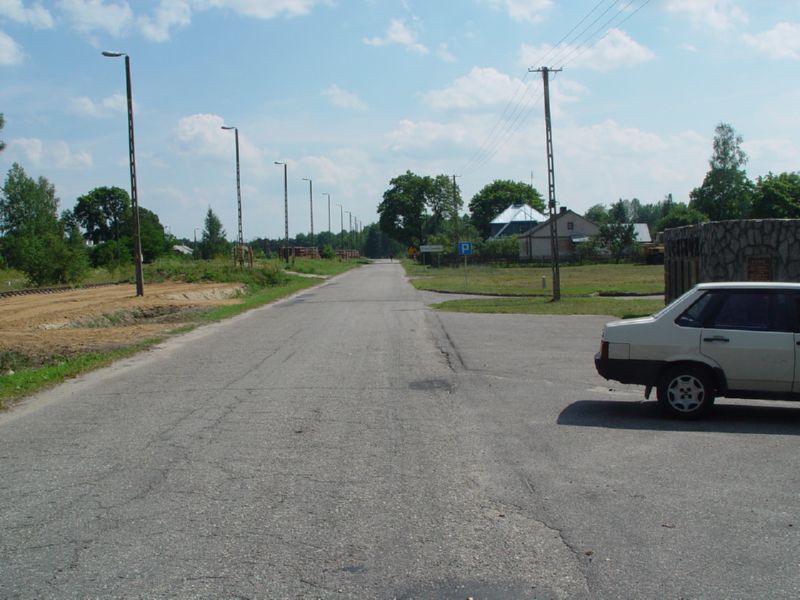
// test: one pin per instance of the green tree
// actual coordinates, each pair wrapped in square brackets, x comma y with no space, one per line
[103,212]
[597,214]
[403,211]
[777,197]
[213,242]
[34,240]
[495,197]
[618,235]
[2,124]
[151,232]
[726,192]
[680,215]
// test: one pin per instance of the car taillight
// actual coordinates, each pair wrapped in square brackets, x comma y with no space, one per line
[604,350]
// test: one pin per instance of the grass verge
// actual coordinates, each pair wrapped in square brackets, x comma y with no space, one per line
[579,280]
[616,307]
[28,381]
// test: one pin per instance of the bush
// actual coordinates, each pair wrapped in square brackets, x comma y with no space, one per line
[328,252]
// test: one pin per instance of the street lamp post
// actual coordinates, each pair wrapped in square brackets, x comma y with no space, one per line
[285,207]
[329,210]
[137,239]
[350,230]
[341,225]
[311,204]
[240,250]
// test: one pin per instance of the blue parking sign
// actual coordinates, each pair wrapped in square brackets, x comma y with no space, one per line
[464,248]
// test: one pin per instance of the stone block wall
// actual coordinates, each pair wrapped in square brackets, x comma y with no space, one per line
[744,250]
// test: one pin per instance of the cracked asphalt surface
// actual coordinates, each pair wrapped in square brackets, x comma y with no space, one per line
[352,443]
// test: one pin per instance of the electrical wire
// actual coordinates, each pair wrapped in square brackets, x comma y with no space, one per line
[575,47]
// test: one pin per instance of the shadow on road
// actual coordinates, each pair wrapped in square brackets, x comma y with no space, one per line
[725,418]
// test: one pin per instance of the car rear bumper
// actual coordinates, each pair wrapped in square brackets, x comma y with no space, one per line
[640,372]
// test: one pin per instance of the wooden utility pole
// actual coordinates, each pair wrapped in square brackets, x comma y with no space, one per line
[551,184]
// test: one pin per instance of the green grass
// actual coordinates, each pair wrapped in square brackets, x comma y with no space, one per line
[527,281]
[11,279]
[28,381]
[310,266]
[616,307]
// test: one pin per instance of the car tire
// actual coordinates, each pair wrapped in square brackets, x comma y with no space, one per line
[686,392]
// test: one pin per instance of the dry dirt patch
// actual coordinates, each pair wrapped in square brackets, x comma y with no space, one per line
[40,326]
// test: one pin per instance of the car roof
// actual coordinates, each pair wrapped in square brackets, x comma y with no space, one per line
[750,285]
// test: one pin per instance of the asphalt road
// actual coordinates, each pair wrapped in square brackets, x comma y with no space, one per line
[352,443]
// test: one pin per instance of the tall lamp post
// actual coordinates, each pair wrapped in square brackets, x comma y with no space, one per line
[341,224]
[240,250]
[311,204]
[285,207]
[350,230]
[137,239]
[329,210]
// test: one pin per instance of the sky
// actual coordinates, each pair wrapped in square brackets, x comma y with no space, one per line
[351,93]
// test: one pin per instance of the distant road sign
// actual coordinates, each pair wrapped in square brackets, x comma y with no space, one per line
[464,248]
[431,248]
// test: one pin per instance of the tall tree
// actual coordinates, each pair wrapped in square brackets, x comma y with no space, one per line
[213,243]
[102,213]
[151,232]
[726,192]
[495,197]
[777,197]
[34,239]
[403,209]
[618,235]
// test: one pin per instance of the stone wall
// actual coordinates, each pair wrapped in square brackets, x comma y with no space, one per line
[745,250]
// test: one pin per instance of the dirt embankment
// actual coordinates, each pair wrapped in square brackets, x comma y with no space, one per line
[96,319]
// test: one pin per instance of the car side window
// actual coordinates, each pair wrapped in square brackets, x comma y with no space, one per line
[693,316]
[749,311]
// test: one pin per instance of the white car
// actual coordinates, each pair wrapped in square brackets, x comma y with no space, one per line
[738,340]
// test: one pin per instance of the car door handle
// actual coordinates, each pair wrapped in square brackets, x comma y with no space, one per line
[716,338]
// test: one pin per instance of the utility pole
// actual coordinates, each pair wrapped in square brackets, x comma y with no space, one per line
[455,212]
[551,184]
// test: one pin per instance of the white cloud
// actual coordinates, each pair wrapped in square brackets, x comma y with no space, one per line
[719,15]
[202,135]
[444,54]
[410,135]
[596,159]
[168,14]
[398,33]
[616,49]
[782,41]
[263,9]
[107,106]
[523,10]
[10,51]
[36,16]
[481,87]
[87,16]
[343,98]
[56,154]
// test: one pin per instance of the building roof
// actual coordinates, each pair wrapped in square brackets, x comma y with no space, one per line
[518,213]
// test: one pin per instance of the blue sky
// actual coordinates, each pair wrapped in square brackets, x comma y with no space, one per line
[351,93]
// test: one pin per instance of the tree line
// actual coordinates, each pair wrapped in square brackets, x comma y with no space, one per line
[418,210]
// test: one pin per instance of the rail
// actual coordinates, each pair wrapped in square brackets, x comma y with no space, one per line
[53,290]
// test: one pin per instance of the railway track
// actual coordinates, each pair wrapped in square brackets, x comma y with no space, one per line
[53,290]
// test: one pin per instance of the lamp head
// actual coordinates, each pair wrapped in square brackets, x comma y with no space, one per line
[113,54]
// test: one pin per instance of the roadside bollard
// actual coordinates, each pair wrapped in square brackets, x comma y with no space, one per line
[544,282]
